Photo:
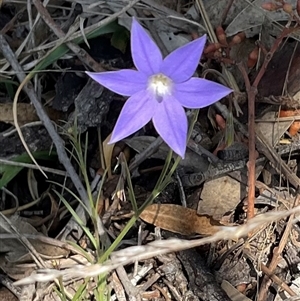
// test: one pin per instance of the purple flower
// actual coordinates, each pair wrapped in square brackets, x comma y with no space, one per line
[160,88]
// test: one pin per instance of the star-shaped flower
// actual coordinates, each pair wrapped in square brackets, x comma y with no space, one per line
[160,88]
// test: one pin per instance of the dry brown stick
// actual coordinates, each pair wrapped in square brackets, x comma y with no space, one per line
[286,31]
[251,93]
[225,12]
[262,295]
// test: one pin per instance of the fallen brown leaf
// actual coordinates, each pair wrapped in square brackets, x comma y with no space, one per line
[179,219]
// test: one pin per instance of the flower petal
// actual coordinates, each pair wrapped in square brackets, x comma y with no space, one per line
[199,93]
[170,122]
[146,55]
[124,82]
[181,64]
[137,111]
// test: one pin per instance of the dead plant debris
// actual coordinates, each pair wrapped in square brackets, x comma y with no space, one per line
[131,221]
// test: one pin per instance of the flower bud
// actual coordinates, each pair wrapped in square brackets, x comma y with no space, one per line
[238,38]
[252,58]
[221,35]
[212,48]
[220,122]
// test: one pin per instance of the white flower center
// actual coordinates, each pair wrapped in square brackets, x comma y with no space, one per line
[160,85]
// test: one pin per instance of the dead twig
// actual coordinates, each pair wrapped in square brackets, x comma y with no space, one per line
[226,10]
[251,93]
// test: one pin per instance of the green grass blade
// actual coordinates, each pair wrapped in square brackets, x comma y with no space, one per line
[81,251]
[78,220]
[80,291]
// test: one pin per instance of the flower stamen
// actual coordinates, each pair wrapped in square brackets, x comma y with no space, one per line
[160,85]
